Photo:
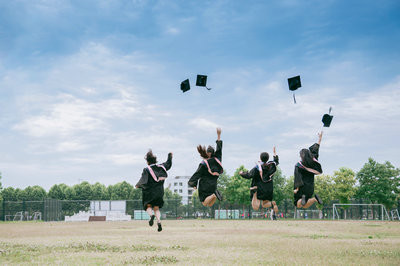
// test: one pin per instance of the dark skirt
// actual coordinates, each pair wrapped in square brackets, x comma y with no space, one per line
[207,187]
[307,190]
[154,197]
[262,194]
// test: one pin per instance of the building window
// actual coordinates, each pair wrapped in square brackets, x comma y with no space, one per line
[180,183]
[190,192]
[180,191]
[175,184]
[175,190]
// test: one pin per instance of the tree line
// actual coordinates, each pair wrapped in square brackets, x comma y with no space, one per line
[374,183]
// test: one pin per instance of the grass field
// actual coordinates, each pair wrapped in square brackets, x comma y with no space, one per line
[201,242]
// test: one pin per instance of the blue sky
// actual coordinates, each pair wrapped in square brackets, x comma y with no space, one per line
[87,87]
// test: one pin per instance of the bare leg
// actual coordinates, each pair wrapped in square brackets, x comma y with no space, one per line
[255,203]
[275,207]
[208,200]
[157,213]
[266,204]
[299,204]
[212,201]
[149,210]
[309,203]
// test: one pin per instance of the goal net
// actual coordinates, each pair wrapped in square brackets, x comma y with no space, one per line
[360,212]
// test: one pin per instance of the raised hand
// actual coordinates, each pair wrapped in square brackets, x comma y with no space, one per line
[274,149]
[320,136]
[219,133]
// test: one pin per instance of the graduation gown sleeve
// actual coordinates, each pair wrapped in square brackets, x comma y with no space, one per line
[314,149]
[250,175]
[168,163]
[218,153]
[196,176]
[143,180]
[317,166]
[298,179]
[276,159]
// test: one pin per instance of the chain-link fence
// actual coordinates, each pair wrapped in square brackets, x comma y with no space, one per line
[80,210]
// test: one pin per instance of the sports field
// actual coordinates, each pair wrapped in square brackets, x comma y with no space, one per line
[201,242]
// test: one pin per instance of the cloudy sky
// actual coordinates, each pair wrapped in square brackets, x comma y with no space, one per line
[87,87]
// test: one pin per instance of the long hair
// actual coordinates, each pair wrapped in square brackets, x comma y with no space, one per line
[150,157]
[264,156]
[306,158]
[203,151]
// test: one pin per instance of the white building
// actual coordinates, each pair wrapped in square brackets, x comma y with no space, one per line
[179,185]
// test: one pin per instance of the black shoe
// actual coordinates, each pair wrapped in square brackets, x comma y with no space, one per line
[218,194]
[318,199]
[303,200]
[151,222]
[159,227]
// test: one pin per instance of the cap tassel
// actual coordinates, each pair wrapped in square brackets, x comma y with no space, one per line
[294,98]
[208,88]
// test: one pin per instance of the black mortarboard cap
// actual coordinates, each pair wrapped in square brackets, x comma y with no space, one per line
[185,85]
[201,81]
[327,118]
[294,84]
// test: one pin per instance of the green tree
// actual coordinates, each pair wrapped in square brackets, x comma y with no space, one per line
[9,194]
[120,191]
[279,187]
[82,191]
[344,184]
[99,192]
[33,193]
[324,187]
[238,188]
[57,192]
[223,181]
[288,188]
[379,183]
[1,187]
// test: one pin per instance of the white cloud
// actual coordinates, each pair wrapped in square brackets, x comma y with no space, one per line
[203,124]
[172,31]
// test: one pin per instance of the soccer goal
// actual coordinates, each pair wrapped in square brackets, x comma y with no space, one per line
[360,212]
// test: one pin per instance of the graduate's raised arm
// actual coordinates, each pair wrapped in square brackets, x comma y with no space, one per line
[219,133]
[320,137]
[218,152]
[168,163]
[276,158]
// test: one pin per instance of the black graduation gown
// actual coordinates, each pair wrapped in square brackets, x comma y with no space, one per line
[205,182]
[265,186]
[303,179]
[152,191]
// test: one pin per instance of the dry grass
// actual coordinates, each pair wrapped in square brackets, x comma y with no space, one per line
[201,242]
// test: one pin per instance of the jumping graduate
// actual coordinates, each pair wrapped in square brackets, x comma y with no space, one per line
[262,187]
[206,176]
[152,185]
[304,173]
